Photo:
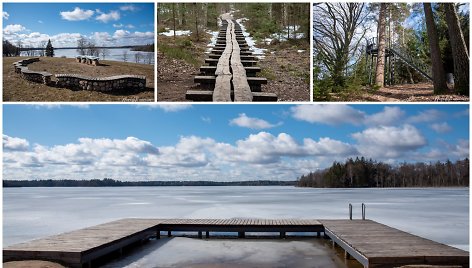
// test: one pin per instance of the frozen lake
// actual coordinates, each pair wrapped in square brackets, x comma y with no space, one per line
[114,54]
[440,214]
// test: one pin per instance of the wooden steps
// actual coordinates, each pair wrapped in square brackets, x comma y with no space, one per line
[230,71]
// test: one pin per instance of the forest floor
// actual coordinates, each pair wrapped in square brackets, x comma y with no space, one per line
[286,67]
[421,92]
[17,89]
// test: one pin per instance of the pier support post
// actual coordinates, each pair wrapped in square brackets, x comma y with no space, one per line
[158,234]
[207,234]
[169,233]
[347,256]
[334,243]
[200,234]
[282,235]
[241,234]
[318,234]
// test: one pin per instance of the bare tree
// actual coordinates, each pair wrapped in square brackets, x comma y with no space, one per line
[439,78]
[42,48]
[137,57]
[104,52]
[124,56]
[459,50]
[149,57]
[81,46]
[338,29]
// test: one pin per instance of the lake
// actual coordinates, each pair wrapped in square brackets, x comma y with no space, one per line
[440,214]
[115,54]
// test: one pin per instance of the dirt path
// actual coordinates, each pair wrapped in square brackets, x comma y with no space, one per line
[31,264]
[409,93]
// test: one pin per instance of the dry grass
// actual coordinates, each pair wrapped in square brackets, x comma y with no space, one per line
[17,89]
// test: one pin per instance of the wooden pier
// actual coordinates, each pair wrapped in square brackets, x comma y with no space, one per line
[230,74]
[371,243]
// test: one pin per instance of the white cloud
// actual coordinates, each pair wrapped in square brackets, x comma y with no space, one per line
[13,28]
[206,119]
[251,122]
[389,142]
[329,147]
[5,15]
[389,116]
[40,21]
[77,14]
[121,34]
[441,127]
[426,116]
[130,26]
[107,17]
[331,114]
[129,8]
[169,107]
[15,144]
[118,25]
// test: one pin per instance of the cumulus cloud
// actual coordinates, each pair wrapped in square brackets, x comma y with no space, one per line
[331,114]
[430,115]
[441,127]
[389,116]
[13,28]
[388,141]
[77,14]
[129,8]
[251,122]
[107,17]
[5,15]
[14,144]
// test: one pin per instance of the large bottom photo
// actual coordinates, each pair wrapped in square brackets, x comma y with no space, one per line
[312,185]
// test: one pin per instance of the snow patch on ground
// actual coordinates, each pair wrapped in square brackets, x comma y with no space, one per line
[177,33]
[282,36]
[214,37]
[258,52]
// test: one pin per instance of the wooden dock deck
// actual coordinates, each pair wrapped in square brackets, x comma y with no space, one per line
[377,245]
[371,243]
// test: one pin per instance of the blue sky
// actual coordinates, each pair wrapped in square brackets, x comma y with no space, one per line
[222,142]
[64,23]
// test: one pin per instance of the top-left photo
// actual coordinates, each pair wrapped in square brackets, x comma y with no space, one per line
[97,52]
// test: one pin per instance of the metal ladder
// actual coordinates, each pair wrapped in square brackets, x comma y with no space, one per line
[363,207]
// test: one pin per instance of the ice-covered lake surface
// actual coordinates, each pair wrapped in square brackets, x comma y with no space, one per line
[440,214]
[114,54]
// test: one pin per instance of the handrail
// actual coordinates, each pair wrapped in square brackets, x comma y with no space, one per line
[350,211]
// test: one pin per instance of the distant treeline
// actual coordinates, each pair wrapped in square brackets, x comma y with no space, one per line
[145,48]
[361,172]
[116,183]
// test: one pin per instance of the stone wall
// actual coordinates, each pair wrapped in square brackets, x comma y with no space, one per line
[33,76]
[78,82]
[104,84]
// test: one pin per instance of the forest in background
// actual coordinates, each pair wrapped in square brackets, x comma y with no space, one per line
[360,172]
[264,20]
[425,32]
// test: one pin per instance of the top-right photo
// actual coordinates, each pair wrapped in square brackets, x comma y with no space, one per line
[391,52]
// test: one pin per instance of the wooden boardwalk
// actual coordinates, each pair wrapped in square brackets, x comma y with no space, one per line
[230,76]
[371,243]
[377,245]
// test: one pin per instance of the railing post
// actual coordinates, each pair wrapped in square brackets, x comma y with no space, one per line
[350,211]
[363,211]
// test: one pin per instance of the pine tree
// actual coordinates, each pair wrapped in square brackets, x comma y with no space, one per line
[49,49]
[439,79]
[459,50]
[380,71]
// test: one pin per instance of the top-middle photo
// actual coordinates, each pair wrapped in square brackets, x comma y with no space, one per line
[241,52]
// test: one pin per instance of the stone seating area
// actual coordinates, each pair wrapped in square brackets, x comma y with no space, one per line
[88,60]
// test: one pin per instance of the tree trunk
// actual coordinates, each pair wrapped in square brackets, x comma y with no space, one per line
[196,21]
[439,77]
[380,71]
[460,54]
[173,17]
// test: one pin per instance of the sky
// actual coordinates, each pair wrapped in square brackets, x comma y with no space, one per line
[222,142]
[107,24]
